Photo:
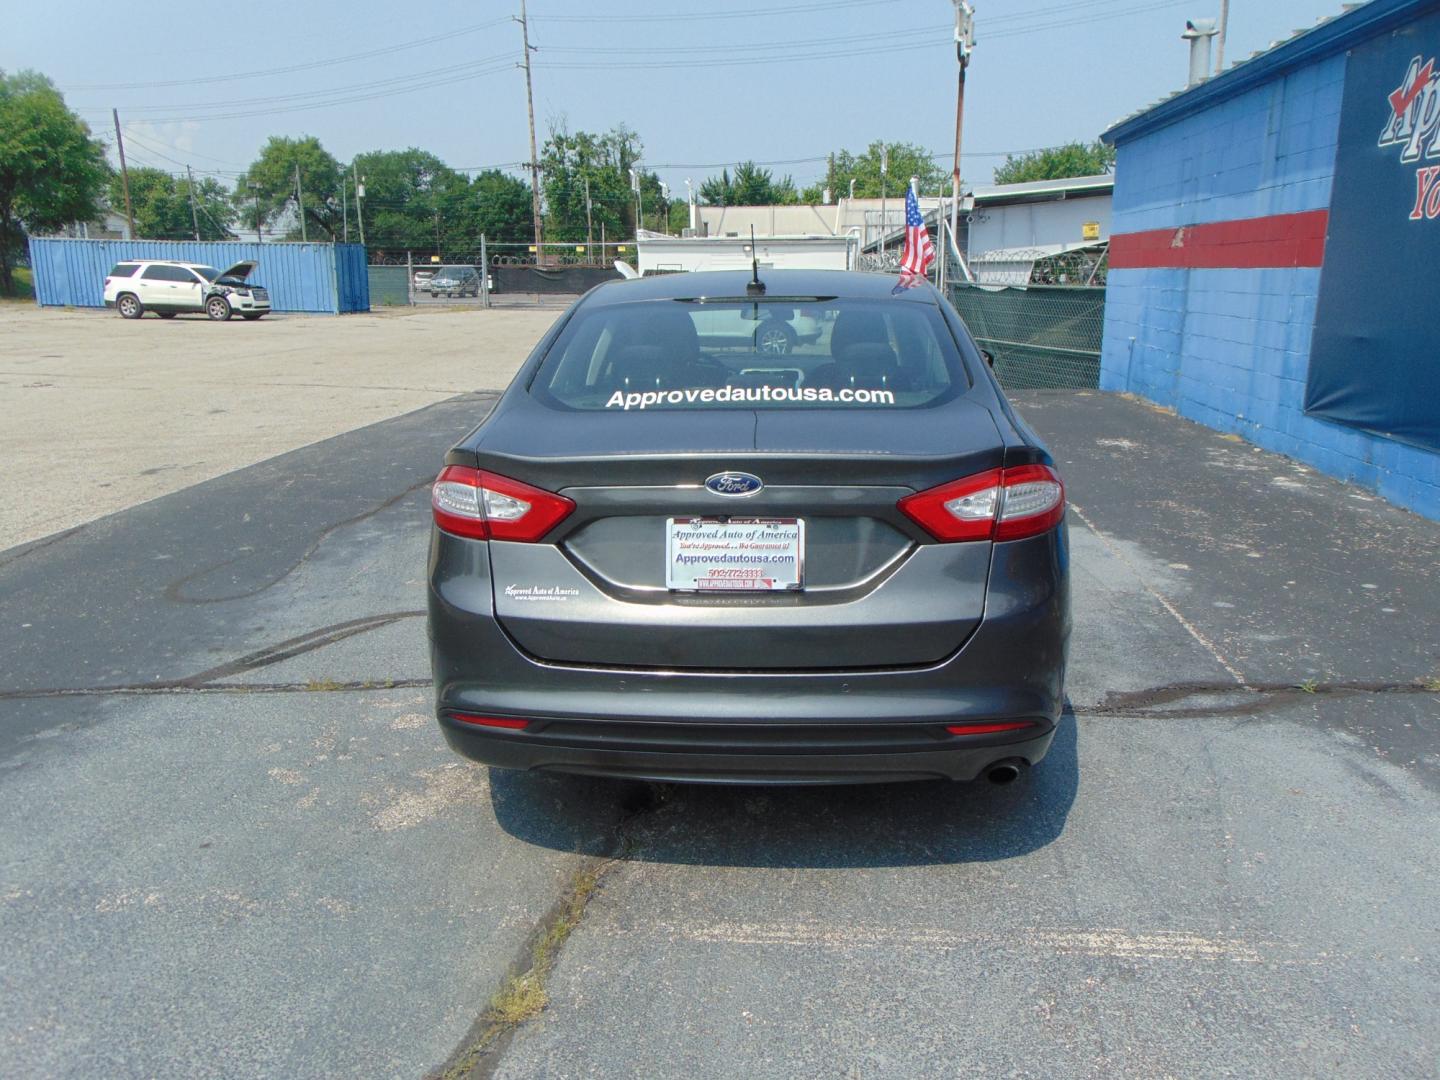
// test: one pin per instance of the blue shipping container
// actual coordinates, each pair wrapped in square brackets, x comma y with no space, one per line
[301,277]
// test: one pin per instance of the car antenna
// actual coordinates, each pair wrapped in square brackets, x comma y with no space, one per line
[756,287]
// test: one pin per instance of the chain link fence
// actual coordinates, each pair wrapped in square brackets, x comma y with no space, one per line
[1041,337]
[507,273]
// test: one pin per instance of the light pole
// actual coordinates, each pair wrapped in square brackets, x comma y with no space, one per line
[639,203]
[884,171]
[690,201]
[665,206]
[964,45]
[589,227]
[1220,37]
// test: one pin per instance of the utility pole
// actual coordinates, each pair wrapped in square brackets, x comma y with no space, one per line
[259,237]
[300,202]
[345,206]
[534,156]
[194,217]
[359,201]
[1220,36]
[589,229]
[964,45]
[124,173]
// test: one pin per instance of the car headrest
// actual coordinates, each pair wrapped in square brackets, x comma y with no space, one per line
[855,327]
[669,329]
[868,360]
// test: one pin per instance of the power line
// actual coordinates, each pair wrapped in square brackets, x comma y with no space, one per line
[308,66]
[927,32]
[747,59]
[426,85]
[737,13]
[395,81]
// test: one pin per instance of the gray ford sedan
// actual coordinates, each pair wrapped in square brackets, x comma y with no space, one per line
[670,558]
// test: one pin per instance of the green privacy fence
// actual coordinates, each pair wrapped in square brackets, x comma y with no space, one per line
[1042,337]
[388,286]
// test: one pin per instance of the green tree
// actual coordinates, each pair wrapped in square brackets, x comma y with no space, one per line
[498,205]
[904,161]
[415,202]
[679,216]
[52,171]
[568,161]
[270,180]
[410,198]
[1057,163]
[750,186]
[161,204]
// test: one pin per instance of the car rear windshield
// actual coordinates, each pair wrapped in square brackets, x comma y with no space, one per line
[777,353]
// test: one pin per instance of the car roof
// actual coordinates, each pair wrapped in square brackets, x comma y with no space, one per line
[847,284]
[162,262]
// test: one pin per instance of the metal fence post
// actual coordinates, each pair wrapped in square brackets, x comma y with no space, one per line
[484,274]
[409,279]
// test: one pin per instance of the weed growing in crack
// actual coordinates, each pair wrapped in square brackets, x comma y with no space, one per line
[523,996]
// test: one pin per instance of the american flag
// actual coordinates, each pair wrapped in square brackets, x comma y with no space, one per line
[919,251]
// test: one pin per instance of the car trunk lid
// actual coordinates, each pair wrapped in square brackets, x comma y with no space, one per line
[875,591]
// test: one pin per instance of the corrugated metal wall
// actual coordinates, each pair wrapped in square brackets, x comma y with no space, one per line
[301,277]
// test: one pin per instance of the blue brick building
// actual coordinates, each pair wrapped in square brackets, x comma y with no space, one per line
[1276,250]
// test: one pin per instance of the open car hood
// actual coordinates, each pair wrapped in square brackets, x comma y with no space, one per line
[241,270]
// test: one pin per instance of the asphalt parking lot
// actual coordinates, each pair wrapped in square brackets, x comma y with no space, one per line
[237,846]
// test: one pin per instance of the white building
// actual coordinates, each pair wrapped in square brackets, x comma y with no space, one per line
[1011,227]
[671,254]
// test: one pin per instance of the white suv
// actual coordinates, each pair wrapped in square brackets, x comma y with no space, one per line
[167,288]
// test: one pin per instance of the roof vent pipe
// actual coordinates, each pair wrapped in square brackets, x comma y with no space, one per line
[1199,32]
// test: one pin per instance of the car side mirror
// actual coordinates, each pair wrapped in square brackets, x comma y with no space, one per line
[989,357]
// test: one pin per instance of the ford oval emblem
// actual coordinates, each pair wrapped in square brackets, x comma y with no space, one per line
[734,485]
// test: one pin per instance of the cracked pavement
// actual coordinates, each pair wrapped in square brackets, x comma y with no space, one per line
[236,844]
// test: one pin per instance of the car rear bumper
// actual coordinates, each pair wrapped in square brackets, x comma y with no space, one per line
[751,754]
[811,726]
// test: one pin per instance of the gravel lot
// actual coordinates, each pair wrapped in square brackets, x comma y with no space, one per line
[153,406]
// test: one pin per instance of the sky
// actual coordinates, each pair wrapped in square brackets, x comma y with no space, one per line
[705,84]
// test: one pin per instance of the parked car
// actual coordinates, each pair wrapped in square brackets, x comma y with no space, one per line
[454,281]
[660,559]
[774,329]
[168,288]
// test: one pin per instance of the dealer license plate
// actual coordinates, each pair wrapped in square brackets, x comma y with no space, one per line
[734,554]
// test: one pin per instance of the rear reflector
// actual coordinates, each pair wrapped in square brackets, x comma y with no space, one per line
[490,721]
[485,506]
[1000,504]
[989,729]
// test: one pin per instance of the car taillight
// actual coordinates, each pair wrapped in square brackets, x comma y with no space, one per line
[505,722]
[991,728]
[1000,504]
[484,506]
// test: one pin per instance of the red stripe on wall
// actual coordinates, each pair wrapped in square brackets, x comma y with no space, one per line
[1279,240]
